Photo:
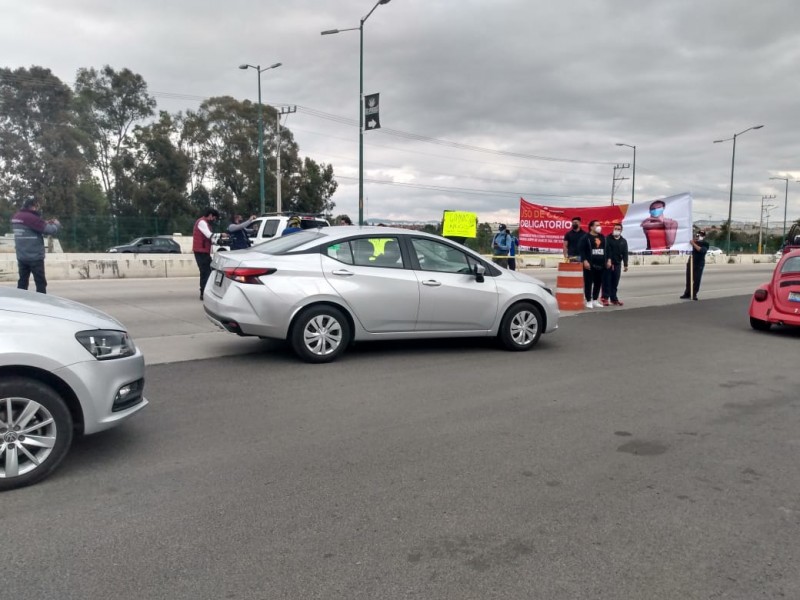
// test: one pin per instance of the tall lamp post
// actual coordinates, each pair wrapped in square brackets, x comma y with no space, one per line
[633,183]
[360,29]
[733,162]
[785,205]
[260,131]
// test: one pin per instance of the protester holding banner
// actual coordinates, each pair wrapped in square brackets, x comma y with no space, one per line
[617,250]
[695,265]
[595,262]
[571,240]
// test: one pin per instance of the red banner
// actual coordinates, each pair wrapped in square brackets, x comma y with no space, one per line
[544,227]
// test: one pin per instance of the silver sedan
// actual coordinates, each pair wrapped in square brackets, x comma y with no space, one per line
[64,368]
[323,289]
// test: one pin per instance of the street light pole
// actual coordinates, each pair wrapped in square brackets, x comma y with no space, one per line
[260,131]
[761,220]
[785,204]
[633,182]
[733,162]
[360,104]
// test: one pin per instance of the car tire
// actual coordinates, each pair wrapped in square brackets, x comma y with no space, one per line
[521,327]
[49,425]
[759,325]
[320,334]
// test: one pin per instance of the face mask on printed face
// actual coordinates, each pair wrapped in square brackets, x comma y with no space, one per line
[656,212]
[617,233]
[598,229]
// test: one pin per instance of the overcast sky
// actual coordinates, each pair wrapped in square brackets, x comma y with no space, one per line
[520,82]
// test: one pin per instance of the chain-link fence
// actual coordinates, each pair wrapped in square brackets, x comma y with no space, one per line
[87,233]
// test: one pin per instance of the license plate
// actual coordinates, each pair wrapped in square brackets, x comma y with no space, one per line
[218,275]
[794,296]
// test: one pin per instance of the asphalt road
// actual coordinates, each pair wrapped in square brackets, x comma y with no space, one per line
[635,454]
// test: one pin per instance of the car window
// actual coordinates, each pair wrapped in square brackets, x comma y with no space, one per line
[312,224]
[146,242]
[163,243]
[792,265]
[283,244]
[270,227]
[341,252]
[443,258]
[377,252]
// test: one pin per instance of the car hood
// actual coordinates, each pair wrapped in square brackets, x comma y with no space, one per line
[33,303]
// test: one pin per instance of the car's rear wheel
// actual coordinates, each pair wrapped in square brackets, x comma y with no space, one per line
[521,327]
[35,431]
[320,334]
[760,325]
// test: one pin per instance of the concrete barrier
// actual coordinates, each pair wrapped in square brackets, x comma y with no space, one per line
[106,266]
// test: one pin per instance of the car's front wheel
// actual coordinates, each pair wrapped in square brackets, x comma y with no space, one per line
[760,325]
[35,431]
[320,334]
[521,327]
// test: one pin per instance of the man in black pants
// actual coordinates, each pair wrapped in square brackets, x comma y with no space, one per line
[617,252]
[29,231]
[595,262]
[698,261]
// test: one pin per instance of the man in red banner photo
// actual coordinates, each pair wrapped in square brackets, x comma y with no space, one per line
[659,230]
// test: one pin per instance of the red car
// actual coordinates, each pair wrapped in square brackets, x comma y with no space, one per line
[778,302]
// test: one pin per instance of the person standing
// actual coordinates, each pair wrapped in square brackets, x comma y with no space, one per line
[345,221]
[513,248]
[201,245]
[237,232]
[695,265]
[617,249]
[572,241]
[29,230]
[501,246]
[595,262]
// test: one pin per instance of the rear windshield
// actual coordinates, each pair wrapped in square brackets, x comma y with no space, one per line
[792,265]
[286,243]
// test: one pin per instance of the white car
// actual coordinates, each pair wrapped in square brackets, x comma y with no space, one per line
[64,368]
[714,251]
[268,227]
[322,289]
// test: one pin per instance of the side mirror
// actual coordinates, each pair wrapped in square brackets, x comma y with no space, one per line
[479,271]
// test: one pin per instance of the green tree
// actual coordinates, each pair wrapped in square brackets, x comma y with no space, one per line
[41,149]
[312,189]
[110,103]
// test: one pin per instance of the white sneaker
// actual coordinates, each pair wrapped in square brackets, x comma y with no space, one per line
[597,304]
[589,304]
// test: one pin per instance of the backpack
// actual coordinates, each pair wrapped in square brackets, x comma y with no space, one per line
[497,244]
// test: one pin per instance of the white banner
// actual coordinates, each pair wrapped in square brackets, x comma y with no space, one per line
[659,225]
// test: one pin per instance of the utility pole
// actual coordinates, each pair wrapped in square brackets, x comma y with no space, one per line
[761,220]
[768,208]
[615,179]
[283,110]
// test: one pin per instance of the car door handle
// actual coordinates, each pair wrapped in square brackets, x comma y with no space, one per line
[343,272]
[432,283]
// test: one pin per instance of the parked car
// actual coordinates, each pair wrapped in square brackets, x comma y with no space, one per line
[715,251]
[270,226]
[778,302]
[64,368]
[325,288]
[150,245]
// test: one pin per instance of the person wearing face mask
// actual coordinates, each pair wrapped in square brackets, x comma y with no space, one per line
[572,240]
[617,250]
[595,262]
[660,231]
[695,265]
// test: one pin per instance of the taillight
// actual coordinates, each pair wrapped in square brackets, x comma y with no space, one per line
[247,274]
[760,295]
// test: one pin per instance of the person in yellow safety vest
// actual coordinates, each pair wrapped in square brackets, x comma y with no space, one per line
[378,245]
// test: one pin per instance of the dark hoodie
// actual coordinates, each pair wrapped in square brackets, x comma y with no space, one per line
[593,248]
[617,249]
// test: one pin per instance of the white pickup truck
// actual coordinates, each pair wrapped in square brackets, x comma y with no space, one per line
[269,226]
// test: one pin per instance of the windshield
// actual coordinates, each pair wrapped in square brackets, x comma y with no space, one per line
[283,244]
[792,265]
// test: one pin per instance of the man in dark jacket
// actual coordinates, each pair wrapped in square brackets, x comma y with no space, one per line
[572,240]
[617,249]
[29,231]
[201,244]
[695,265]
[593,256]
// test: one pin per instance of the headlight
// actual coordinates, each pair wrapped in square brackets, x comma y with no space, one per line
[105,344]
[112,249]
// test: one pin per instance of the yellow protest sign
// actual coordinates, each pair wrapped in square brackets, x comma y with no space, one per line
[458,223]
